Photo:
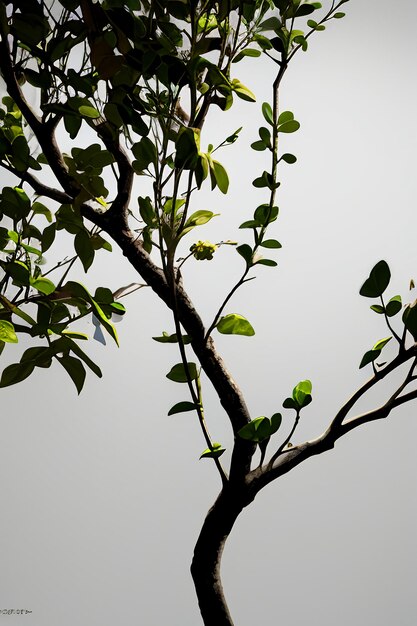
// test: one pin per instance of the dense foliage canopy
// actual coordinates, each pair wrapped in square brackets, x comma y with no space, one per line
[103,95]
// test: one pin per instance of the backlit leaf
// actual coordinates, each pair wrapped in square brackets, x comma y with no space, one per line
[89,111]
[216,451]
[166,338]
[302,393]
[7,332]
[221,176]
[43,285]
[381,343]
[235,324]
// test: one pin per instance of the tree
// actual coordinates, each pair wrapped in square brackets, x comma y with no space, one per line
[124,90]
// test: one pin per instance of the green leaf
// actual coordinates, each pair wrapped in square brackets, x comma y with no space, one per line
[40,356]
[246,252]
[221,176]
[290,403]
[40,209]
[78,290]
[302,393]
[147,212]
[301,396]
[381,343]
[378,308]
[234,324]
[84,249]
[265,214]
[4,237]
[13,236]
[7,332]
[31,250]
[75,369]
[249,224]
[15,309]
[394,306]
[339,15]
[289,158]
[304,9]
[75,348]
[234,136]
[20,153]
[198,218]
[178,372]
[48,237]
[216,451]
[166,338]
[43,285]
[14,203]
[256,430]
[73,335]
[272,23]
[72,124]
[369,357]
[410,319]
[378,281]
[88,111]
[265,135]
[268,262]
[258,146]
[289,127]
[265,180]
[247,52]
[15,373]
[276,420]
[270,243]
[99,243]
[145,153]
[267,113]
[187,148]
[182,407]
[242,91]
[169,206]
[19,272]
[286,116]
[260,428]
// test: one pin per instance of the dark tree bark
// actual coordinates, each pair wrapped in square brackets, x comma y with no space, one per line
[205,566]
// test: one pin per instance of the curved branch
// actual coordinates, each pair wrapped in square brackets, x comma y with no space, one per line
[205,567]
[126,174]
[286,461]
[44,133]
[401,358]
[227,390]
[38,187]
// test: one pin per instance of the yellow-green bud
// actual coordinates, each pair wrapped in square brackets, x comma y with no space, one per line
[203,250]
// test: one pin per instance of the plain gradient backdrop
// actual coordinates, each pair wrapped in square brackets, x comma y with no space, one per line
[103,495]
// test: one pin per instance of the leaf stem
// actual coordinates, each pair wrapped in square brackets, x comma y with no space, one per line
[285,442]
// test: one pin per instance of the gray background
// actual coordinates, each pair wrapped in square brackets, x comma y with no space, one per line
[103,494]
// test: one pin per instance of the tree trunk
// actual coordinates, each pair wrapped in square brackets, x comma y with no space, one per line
[205,567]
